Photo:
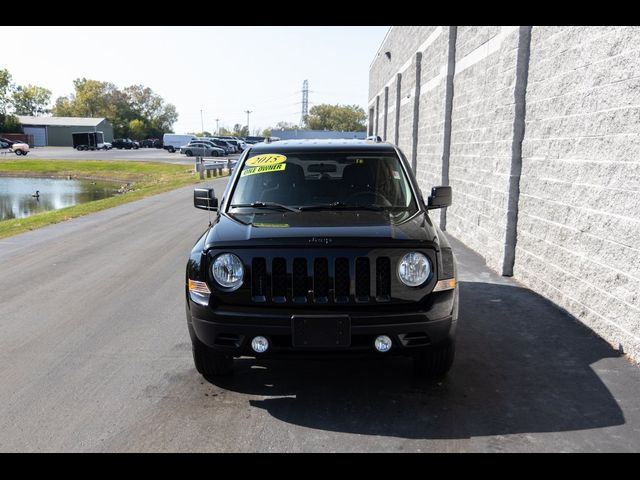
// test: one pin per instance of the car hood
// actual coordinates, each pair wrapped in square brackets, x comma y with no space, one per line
[322,228]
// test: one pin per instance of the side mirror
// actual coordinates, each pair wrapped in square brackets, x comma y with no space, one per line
[440,197]
[205,199]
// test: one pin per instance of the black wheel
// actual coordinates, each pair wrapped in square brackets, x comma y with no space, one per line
[188,153]
[210,363]
[435,361]
[171,150]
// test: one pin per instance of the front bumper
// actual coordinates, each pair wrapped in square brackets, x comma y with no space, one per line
[230,330]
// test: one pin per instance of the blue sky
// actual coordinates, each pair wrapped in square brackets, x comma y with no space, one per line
[221,70]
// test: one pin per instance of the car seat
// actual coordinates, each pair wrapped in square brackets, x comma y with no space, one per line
[285,186]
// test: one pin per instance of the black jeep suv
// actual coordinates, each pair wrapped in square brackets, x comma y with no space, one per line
[322,247]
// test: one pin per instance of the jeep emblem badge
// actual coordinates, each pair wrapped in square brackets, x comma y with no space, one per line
[324,241]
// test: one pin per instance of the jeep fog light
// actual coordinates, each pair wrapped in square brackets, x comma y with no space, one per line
[228,271]
[382,343]
[414,269]
[260,344]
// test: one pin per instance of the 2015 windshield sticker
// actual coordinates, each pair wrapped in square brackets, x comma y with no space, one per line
[264,169]
[266,159]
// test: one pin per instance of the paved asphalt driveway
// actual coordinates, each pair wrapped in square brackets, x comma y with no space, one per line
[95,356]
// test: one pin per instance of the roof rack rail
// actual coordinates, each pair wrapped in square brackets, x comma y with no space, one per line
[375,138]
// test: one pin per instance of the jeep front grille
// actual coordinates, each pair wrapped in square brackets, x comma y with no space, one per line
[320,280]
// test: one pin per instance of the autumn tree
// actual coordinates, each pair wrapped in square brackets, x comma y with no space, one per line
[343,118]
[135,111]
[31,100]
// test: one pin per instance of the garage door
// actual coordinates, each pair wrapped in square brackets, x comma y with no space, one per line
[39,135]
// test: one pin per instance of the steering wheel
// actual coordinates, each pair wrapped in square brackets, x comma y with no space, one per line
[376,199]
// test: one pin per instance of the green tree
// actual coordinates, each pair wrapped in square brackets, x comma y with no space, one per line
[287,126]
[266,132]
[8,122]
[31,100]
[6,89]
[336,117]
[93,98]
[237,131]
[137,129]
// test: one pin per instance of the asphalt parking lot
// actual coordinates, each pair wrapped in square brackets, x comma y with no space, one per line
[95,356]
[141,155]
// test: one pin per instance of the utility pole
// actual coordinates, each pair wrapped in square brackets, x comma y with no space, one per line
[201,122]
[305,101]
[217,126]
[248,112]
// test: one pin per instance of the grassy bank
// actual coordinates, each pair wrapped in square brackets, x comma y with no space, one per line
[145,178]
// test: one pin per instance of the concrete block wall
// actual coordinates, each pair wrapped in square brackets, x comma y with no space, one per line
[433,104]
[538,131]
[579,206]
[482,138]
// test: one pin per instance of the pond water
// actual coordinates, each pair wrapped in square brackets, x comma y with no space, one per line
[16,200]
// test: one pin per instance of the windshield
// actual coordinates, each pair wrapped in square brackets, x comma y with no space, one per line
[328,180]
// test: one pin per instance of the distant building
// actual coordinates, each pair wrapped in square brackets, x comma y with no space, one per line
[56,131]
[313,134]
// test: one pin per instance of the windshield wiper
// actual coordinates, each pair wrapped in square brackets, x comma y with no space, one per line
[340,206]
[269,205]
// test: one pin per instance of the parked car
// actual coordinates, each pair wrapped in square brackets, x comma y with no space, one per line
[235,141]
[19,148]
[8,142]
[107,146]
[227,147]
[254,140]
[172,142]
[147,143]
[157,143]
[125,143]
[322,248]
[5,145]
[201,149]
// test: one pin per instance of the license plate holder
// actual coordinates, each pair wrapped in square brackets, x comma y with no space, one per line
[326,331]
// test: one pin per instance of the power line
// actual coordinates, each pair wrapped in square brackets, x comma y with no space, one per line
[305,101]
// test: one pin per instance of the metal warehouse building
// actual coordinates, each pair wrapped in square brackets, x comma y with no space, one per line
[56,131]
[316,134]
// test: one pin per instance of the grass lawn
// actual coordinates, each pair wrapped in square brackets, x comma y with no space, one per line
[146,179]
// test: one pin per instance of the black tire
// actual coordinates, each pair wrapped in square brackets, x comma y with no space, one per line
[210,363]
[171,150]
[18,152]
[436,361]
[189,153]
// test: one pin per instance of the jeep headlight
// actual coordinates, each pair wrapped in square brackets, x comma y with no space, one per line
[414,269]
[228,271]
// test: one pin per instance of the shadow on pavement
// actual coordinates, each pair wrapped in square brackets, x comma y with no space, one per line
[522,365]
